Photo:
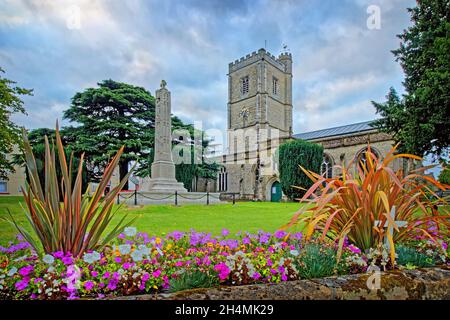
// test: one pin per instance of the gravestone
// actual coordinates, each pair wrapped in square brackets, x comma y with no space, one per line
[163,169]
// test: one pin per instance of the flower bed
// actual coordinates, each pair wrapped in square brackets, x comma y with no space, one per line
[136,263]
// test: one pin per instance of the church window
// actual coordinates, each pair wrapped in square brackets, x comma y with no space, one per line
[223,179]
[275,88]
[3,187]
[362,157]
[244,85]
[326,169]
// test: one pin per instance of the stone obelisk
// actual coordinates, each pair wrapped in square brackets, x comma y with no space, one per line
[163,169]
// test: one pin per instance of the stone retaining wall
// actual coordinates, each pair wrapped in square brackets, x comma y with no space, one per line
[432,283]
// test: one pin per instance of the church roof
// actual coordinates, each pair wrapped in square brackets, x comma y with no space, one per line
[335,131]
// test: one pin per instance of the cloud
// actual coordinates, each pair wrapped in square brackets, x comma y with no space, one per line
[62,47]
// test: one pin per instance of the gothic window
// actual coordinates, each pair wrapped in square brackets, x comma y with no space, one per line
[275,87]
[223,179]
[3,187]
[326,169]
[244,85]
[362,157]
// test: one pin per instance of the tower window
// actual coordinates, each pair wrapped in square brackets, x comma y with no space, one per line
[244,85]
[275,87]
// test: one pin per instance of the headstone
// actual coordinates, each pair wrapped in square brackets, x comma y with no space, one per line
[163,169]
[399,224]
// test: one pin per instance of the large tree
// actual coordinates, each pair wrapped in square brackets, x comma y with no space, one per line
[111,115]
[420,120]
[10,103]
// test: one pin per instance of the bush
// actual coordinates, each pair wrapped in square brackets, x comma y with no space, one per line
[316,261]
[293,154]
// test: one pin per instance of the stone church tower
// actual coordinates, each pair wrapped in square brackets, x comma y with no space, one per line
[259,116]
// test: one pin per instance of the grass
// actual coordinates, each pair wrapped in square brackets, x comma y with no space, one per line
[158,220]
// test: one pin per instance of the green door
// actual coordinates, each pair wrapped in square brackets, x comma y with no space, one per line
[275,192]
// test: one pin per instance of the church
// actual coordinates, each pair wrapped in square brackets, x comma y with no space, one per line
[260,116]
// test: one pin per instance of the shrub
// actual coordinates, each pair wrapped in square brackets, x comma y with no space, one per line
[76,224]
[316,261]
[293,154]
[411,256]
[350,204]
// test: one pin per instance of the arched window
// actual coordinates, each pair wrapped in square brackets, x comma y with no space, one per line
[362,157]
[326,169]
[223,180]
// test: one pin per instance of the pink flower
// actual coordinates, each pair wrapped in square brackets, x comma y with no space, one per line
[284,277]
[273,271]
[106,275]
[126,265]
[94,273]
[178,263]
[354,249]
[145,277]
[26,270]
[223,270]
[118,259]
[156,273]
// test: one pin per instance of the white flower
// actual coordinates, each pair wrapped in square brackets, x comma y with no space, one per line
[130,231]
[48,259]
[295,253]
[91,257]
[124,249]
[50,269]
[136,255]
[144,249]
[12,271]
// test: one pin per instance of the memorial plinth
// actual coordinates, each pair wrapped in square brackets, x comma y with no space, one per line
[163,169]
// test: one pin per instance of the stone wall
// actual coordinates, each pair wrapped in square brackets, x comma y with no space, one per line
[420,284]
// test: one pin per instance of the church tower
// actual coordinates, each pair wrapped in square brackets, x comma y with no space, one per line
[260,94]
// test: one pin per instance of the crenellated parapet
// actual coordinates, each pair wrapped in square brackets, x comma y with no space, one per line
[254,57]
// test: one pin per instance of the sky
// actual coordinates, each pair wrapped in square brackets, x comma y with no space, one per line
[340,64]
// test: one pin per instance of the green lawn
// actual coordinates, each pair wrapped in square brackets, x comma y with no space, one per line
[161,219]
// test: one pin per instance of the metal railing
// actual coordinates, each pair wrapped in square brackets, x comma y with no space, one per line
[176,196]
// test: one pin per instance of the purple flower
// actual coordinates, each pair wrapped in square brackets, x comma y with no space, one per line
[22,284]
[112,284]
[94,273]
[297,236]
[264,238]
[58,254]
[26,270]
[225,232]
[284,277]
[145,277]
[281,269]
[88,285]
[246,240]
[177,235]
[280,234]
[256,276]
[118,259]
[354,249]
[273,271]
[106,275]
[121,236]
[67,260]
